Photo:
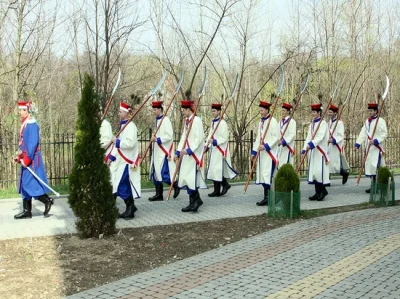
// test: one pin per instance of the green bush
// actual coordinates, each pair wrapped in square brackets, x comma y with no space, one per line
[287,179]
[384,175]
[90,191]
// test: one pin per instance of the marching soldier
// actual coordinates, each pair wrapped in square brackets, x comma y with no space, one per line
[375,157]
[317,145]
[106,135]
[335,148]
[286,142]
[123,161]
[190,171]
[219,165]
[161,165]
[268,147]
[29,156]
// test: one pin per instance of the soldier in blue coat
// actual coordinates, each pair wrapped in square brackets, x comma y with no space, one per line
[29,155]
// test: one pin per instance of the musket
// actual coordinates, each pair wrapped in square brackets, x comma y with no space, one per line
[316,130]
[373,132]
[152,92]
[303,88]
[112,95]
[201,92]
[266,129]
[178,86]
[226,105]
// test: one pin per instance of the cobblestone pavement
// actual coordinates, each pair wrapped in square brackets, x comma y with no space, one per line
[349,255]
[233,204]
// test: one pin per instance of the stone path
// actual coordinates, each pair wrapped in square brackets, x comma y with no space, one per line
[349,255]
[234,204]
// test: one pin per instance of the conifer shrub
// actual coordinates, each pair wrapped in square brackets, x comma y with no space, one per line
[90,191]
[384,175]
[286,180]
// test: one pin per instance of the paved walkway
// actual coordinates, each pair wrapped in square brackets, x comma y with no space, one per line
[343,256]
[234,204]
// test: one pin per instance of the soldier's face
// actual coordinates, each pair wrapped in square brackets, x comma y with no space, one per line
[285,112]
[372,112]
[23,113]
[187,112]
[215,113]
[122,114]
[263,112]
[331,114]
[157,111]
[315,114]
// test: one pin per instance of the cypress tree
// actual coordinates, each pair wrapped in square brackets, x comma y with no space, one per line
[90,191]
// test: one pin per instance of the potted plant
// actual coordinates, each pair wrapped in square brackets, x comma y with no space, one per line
[382,190]
[285,199]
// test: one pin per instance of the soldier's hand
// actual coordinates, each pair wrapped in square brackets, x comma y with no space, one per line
[356,149]
[371,142]
[253,158]
[176,158]
[330,140]
[261,148]
[279,142]
[113,139]
[184,152]
[153,139]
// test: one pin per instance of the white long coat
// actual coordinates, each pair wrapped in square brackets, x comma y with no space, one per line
[318,159]
[161,149]
[267,160]
[219,164]
[106,135]
[286,151]
[191,172]
[126,152]
[375,156]
[335,150]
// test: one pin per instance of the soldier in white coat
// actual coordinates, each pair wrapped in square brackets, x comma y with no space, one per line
[106,135]
[335,149]
[268,147]
[123,160]
[219,165]
[288,134]
[191,175]
[375,157]
[317,146]
[162,166]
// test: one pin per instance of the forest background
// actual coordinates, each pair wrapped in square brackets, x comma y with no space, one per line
[47,45]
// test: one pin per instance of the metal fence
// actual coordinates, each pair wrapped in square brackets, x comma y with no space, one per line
[58,155]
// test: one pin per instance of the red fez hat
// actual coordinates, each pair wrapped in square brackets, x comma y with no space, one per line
[125,107]
[187,104]
[333,108]
[316,107]
[287,106]
[22,105]
[265,105]
[157,104]
[373,106]
[216,106]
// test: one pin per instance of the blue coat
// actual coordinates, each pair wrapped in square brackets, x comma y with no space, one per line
[30,153]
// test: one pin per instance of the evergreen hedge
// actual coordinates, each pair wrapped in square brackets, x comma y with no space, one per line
[90,191]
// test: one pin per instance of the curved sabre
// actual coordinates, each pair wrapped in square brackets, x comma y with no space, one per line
[347,96]
[305,83]
[179,83]
[155,89]
[386,89]
[203,86]
[282,80]
[234,86]
[117,83]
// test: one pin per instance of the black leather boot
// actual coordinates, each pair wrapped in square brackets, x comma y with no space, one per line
[264,202]
[323,192]
[191,204]
[26,210]
[217,189]
[130,209]
[176,189]
[159,193]
[225,186]
[197,201]
[45,199]
[345,176]
[316,195]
